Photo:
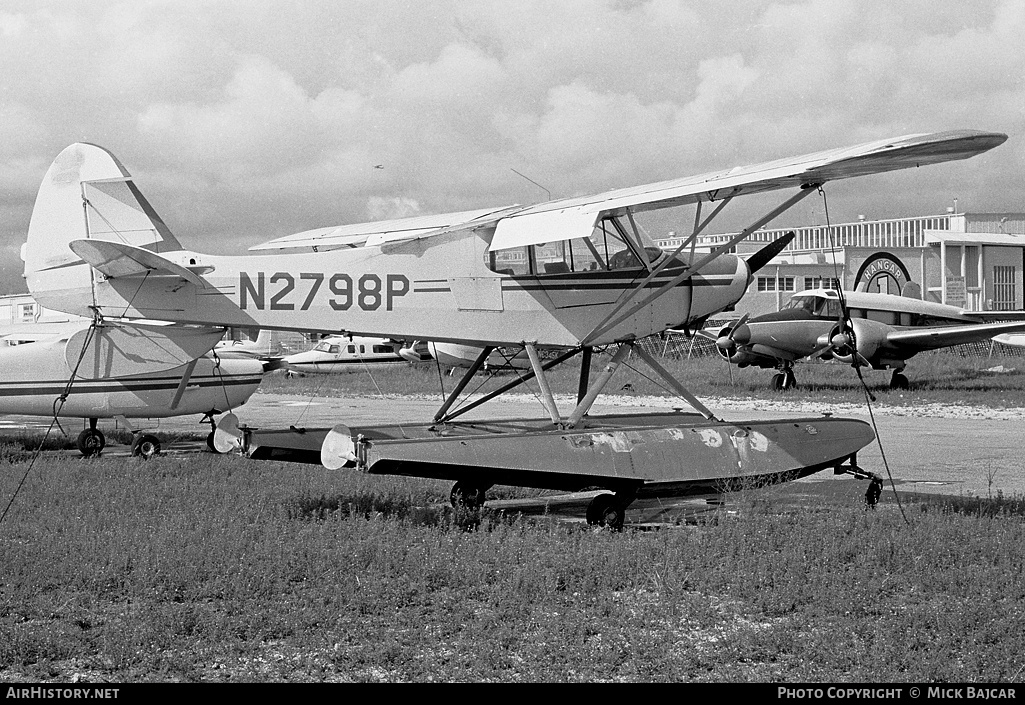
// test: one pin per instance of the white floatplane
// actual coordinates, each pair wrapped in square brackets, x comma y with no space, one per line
[573,274]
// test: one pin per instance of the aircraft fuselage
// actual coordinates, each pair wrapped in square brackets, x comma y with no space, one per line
[439,288]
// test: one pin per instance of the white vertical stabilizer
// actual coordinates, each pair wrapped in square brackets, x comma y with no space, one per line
[86,194]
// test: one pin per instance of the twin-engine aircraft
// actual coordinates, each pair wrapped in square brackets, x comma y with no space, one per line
[575,273]
[337,354]
[885,331]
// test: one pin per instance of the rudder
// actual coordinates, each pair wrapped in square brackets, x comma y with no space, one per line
[86,194]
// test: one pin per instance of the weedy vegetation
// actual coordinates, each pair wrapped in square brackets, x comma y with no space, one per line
[223,569]
[217,568]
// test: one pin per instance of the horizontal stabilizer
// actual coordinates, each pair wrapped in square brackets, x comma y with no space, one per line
[116,259]
[123,350]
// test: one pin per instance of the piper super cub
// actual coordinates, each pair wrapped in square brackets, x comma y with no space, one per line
[573,274]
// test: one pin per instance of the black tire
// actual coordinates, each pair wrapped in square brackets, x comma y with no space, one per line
[467,496]
[145,446]
[210,443]
[605,510]
[899,381]
[777,382]
[789,380]
[90,442]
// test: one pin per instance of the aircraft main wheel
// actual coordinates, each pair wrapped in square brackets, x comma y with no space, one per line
[605,510]
[90,442]
[145,446]
[210,443]
[789,380]
[777,382]
[899,381]
[467,496]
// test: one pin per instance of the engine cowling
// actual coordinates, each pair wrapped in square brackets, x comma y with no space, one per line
[868,338]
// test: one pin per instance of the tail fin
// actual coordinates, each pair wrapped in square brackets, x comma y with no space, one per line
[86,193]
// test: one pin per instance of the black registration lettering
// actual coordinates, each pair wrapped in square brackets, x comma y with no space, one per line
[341,286]
[276,304]
[368,292]
[246,291]
[398,286]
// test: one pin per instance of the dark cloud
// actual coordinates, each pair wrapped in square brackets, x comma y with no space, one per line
[244,121]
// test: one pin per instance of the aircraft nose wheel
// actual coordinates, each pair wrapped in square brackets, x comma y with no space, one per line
[467,496]
[605,510]
[90,442]
[145,446]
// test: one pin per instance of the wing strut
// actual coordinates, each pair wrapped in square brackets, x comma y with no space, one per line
[672,382]
[186,376]
[477,364]
[442,417]
[584,405]
[542,380]
[611,322]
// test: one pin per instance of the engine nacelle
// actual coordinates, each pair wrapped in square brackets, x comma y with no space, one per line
[869,337]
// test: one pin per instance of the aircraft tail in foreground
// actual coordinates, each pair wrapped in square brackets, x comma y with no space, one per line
[85,194]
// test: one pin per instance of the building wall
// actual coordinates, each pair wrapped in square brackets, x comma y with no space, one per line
[1012,259]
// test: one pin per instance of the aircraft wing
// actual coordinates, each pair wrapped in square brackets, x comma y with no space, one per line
[570,218]
[919,339]
[376,233]
[576,217]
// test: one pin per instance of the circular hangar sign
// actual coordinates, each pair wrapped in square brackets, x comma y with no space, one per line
[882,272]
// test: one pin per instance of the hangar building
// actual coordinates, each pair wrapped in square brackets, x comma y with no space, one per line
[972,260]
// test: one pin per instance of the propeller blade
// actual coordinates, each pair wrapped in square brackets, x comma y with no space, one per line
[726,342]
[761,258]
[741,321]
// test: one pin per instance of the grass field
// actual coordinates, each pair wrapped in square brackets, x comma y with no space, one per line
[935,377]
[218,568]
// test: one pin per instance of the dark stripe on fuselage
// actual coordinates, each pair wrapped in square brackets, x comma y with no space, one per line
[18,389]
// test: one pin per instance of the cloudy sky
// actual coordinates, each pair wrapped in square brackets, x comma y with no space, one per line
[244,121]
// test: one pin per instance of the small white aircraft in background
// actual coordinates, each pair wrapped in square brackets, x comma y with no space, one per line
[574,273]
[266,347]
[339,354]
[72,371]
[499,360]
[885,331]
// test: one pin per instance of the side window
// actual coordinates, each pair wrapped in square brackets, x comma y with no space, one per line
[352,349]
[512,261]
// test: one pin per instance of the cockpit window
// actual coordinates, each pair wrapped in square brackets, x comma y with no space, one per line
[816,305]
[807,303]
[607,248]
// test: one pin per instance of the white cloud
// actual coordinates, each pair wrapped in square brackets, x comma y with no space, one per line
[255,119]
